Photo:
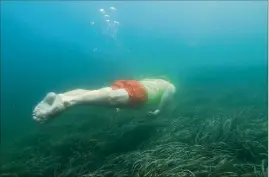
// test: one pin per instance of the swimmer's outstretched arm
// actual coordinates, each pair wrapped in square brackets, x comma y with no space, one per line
[166,101]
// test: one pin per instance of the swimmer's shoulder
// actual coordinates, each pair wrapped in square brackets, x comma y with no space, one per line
[153,80]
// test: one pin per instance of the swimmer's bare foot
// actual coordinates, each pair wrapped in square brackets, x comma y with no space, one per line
[51,106]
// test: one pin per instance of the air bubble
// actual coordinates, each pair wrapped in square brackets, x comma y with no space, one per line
[112,8]
[116,22]
[109,25]
[106,16]
[102,11]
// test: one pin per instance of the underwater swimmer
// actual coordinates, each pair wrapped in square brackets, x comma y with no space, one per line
[121,94]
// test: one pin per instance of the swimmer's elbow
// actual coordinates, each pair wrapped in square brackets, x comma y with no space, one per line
[172,89]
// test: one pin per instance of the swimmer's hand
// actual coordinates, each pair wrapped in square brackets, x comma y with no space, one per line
[154,113]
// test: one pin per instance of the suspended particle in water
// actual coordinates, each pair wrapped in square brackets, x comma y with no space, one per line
[102,11]
[95,49]
[92,23]
[107,21]
[113,9]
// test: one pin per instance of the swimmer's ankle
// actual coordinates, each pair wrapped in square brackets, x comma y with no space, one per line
[67,101]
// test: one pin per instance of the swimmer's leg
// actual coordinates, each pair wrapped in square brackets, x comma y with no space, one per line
[54,104]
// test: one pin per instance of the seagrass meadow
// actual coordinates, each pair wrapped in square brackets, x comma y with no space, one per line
[213,130]
[214,52]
